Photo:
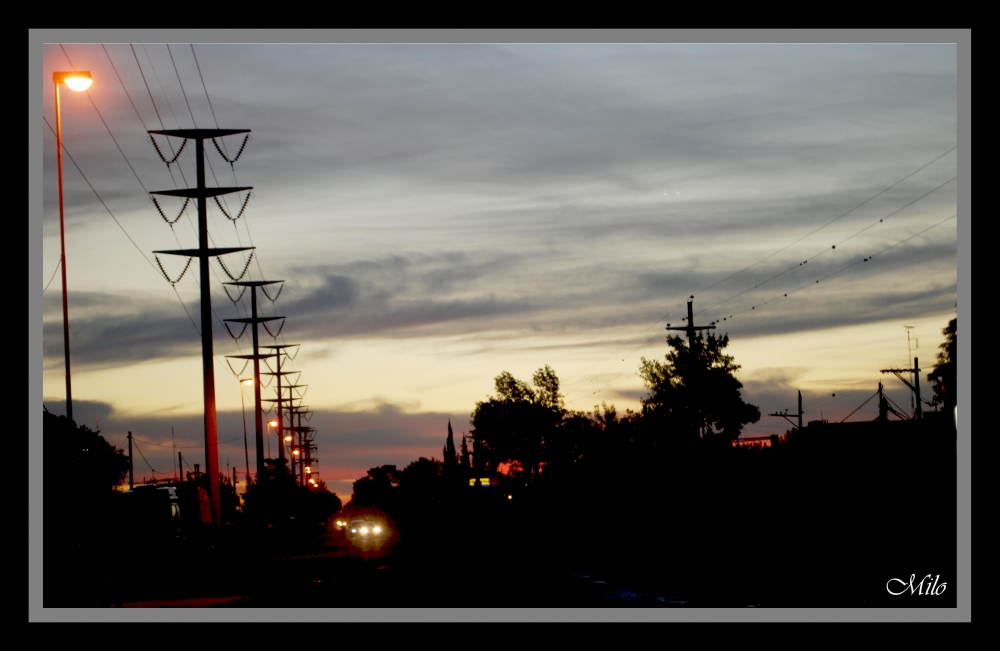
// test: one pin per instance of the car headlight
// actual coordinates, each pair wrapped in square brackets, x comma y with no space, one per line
[377,530]
[364,531]
[354,530]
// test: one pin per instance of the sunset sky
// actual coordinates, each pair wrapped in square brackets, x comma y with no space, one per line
[445,212]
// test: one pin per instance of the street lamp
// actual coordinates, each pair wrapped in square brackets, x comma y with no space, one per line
[246,452]
[270,424]
[76,81]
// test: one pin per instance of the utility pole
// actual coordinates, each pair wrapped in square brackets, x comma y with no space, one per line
[130,480]
[256,357]
[279,352]
[303,446]
[180,465]
[691,329]
[285,405]
[786,414]
[173,446]
[914,386]
[203,253]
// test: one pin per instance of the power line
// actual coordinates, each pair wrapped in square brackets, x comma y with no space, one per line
[834,246]
[183,447]
[96,194]
[193,121]
[106,125]
[58,264]
[570,382]
[844,268]
[108,54]
[874,196]
[155,471]
[811,284]
[160,119]
[130,167]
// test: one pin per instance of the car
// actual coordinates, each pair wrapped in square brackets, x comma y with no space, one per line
[365,530]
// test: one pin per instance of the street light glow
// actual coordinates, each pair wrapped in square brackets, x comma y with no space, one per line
[80,80]
[272,423]
[247,381]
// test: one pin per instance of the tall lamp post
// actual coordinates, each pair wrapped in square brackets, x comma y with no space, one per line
[78,81]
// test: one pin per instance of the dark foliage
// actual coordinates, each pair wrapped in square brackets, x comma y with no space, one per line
[695,391]
[943,377]
[81,455]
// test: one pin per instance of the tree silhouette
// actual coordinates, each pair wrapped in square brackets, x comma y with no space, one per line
[516,423]
[376,488]
[77,452]
[463,459]
[944,374]
[450,456]
[695,391]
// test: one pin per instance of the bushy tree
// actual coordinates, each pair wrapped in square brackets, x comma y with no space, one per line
[695,392]
[81,455]
[517,423]
[375,489]
[945,373]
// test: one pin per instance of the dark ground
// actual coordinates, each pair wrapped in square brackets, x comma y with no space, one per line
[823,525]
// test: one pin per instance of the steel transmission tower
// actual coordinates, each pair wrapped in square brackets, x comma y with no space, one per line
[281,400]
[253,321]
[201,193]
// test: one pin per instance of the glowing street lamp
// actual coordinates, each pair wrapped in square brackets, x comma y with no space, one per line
[270,424]
[76,81]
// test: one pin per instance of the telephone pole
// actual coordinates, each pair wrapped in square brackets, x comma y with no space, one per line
[130,482]
[914,386]
[786,414]
[254,320]
[203,253]
[691,329]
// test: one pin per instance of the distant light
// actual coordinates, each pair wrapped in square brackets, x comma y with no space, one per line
[309,470]
[295,451]
[510,497]
[248,381]
[273,423]
[377,529]
[288,437]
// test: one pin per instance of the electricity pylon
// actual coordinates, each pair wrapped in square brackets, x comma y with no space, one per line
[203,253]
[254,320]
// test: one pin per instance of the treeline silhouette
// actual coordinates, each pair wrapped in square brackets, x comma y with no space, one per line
[662,499]
[103,544]
[657,499]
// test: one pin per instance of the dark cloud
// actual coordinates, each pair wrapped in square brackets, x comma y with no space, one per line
[111,330]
